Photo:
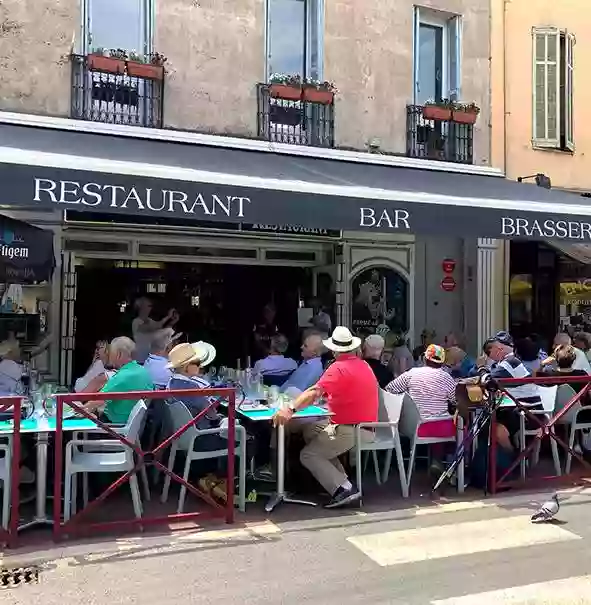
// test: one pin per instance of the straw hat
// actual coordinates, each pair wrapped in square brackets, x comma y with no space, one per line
[342,341]
[9,346]
[183,354]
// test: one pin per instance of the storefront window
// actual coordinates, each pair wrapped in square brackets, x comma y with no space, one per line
[521,300]
[380,302]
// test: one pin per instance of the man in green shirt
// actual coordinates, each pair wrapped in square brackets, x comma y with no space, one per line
[130,376]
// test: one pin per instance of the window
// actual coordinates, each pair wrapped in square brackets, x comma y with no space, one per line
[437,55]
[112,24]
[553,88]
[294,37]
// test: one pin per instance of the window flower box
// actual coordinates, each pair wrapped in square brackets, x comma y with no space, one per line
[318,95]
[464,117]
[436,112]
[99,62]
[148,71]
[288,92]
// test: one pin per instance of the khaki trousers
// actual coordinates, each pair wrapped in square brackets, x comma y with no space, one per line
[326,444]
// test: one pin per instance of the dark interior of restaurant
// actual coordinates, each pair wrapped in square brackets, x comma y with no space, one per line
[218,303]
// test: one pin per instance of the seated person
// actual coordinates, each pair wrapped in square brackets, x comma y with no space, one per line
[373,347]
[276,364]
[129,376]
[157,362]
[564,357]
[581,361]
[310,370]
[187,361]
[429,386]
[500,349]
[527,350]
[96,370]
[352,396]
[11,370]
[460,364]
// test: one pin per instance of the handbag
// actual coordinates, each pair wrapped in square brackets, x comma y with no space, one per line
[469,396]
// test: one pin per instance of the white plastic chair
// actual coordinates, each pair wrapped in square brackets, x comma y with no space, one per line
[564,394]
[124,432]
[409,425]
[548,396]
[5,470]
[189,440]
[104,456]
[386,438]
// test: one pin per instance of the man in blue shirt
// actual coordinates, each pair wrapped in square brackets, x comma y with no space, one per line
[310,370]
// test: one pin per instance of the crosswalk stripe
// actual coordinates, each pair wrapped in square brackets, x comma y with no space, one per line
[438,542]
[569,591]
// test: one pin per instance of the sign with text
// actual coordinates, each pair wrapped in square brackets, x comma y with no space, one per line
[276,210]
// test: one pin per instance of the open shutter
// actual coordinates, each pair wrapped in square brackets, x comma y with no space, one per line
[569,139]
[68,319]
[454,35]
[415,54]
[546,87]
[314,39]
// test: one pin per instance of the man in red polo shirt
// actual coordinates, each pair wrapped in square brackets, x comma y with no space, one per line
[351,390]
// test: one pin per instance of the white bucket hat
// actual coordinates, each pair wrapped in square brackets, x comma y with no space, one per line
[342,341]
[183,354]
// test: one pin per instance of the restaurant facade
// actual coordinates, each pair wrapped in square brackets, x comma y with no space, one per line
[390,240]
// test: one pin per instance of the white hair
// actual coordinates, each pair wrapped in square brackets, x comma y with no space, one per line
[373,346]
[161,339]
[123,345]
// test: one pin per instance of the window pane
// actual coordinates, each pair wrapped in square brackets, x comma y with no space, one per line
[540,102]
[552,102]
[430,63]
[552,50]
[287,29]
[540,47]
[116,24]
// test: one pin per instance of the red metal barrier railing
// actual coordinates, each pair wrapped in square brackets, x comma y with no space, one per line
[151,457]
[546,425]
[9,536]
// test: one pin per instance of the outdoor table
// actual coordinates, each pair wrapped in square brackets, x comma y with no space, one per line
[41,428]
[259,413]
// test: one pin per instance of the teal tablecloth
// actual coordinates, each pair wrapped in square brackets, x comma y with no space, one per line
[31,425]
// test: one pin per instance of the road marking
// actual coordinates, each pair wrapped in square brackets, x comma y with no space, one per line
[570,591]
[422,544]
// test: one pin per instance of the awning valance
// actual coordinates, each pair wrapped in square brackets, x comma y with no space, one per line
[46,168]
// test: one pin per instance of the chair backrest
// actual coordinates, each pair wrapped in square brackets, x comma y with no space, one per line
[564,394]
[276,380]
[548,397]
[389,410]
[410,417]
[179,416]
[136,421]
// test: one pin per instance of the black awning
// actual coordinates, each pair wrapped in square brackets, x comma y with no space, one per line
[26,252]
[121,175]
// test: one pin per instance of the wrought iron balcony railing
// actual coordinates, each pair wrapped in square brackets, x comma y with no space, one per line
[444,140]
[295,122]
[115,98]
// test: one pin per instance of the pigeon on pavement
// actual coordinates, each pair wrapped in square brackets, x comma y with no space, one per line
[547,511]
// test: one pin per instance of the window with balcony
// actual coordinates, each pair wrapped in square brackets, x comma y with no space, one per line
[106,87]
[294,45]
[437,76]
[553,66]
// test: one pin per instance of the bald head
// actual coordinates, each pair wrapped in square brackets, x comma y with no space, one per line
[312,346]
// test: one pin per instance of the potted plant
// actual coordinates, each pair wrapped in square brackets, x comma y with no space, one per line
[150,68]
[110,61]
[465,113]
[437,110]
[285,87]
[319,92]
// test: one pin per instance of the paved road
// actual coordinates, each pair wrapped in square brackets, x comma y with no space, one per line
[455,554]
